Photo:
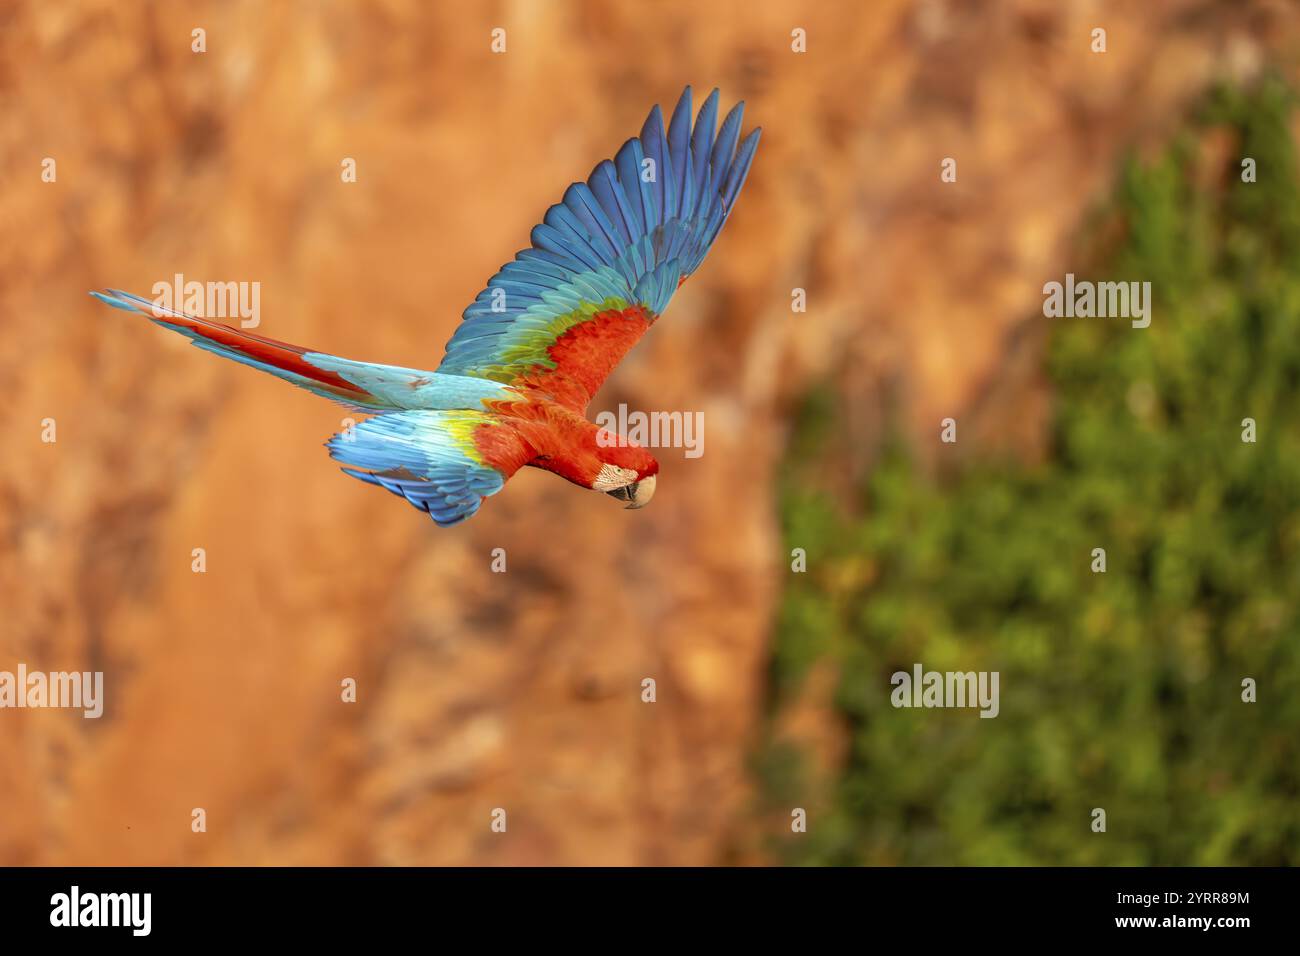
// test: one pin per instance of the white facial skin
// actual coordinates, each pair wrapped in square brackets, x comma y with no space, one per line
[621,483]
[612,477]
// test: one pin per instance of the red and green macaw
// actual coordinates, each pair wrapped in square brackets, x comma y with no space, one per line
[536,344]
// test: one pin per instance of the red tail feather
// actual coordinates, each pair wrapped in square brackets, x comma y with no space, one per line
[278,354]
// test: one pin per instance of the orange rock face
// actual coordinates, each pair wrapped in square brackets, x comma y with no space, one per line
[478,689]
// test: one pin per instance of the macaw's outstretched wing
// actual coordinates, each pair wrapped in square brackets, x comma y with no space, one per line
[442,462]
[606,260]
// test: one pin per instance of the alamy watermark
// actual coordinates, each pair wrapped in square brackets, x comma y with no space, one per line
[923,688]
[210,300]
[82,690]
[1102,300]
[652,430]
[75,908]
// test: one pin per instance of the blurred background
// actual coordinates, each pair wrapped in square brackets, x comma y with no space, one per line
[522,691]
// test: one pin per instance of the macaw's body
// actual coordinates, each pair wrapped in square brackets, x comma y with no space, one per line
[538,342]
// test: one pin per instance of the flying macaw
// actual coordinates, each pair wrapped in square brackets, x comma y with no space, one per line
[536,344]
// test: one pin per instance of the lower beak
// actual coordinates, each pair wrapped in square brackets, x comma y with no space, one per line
[637,494]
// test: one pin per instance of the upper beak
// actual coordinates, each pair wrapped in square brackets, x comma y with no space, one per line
[637,494]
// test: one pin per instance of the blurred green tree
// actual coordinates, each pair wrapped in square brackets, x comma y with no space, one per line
[1120,690]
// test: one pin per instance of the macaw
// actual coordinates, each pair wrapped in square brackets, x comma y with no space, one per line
[536,344]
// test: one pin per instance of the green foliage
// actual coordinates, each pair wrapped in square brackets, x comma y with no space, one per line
[1120,690]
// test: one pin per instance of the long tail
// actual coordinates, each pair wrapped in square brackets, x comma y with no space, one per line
[362,385]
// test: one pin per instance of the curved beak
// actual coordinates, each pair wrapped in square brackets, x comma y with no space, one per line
[637,494]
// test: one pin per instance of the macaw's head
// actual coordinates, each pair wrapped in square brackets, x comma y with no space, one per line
[627,471]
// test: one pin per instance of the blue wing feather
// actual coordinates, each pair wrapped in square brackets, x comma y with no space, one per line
[619,237]
[679,138]
[423,457]
[655,145]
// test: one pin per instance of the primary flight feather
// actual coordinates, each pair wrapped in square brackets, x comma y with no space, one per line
[537,343]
